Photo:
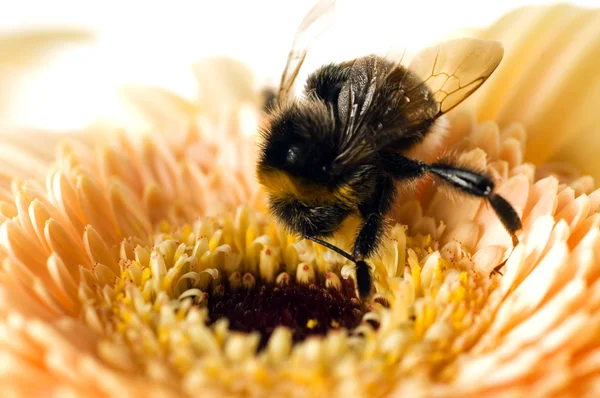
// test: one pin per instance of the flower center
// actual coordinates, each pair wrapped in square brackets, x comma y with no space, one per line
[306,309]
[242,287]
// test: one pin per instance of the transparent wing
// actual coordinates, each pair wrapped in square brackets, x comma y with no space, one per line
[396,96]
[452,71]
[313,24]
[436,80]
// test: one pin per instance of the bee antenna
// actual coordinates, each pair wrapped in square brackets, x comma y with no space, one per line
[331,247]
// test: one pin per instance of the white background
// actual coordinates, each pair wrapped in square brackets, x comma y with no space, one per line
[156,42]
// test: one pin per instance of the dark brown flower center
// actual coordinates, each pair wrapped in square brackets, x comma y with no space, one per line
[305,309]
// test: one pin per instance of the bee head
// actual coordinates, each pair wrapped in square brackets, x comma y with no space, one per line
[308,190]
[300,142]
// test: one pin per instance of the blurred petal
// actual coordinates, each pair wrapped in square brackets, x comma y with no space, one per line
[20,52]
[28,153]
[27,48]
[163,109]
[225,84]
[550,81]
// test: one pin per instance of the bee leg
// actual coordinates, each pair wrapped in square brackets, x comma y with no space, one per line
[482,186]
[401,167]
[467,181]
[373,213]
[498,267]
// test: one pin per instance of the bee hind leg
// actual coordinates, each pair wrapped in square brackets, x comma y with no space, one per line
[460,178]
[480,185]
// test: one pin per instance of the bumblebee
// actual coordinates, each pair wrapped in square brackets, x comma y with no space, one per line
[340,148]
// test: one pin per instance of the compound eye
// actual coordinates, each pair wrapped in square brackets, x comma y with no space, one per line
[293,155]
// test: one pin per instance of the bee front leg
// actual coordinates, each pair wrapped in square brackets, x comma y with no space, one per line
[369,236]
[373,212]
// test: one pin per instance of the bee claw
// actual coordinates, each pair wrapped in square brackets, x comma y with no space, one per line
[515,241]
[497,269]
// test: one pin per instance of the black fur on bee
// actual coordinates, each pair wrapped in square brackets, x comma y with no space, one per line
[340,149]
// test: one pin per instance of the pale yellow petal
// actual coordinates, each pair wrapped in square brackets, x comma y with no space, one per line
[549,81]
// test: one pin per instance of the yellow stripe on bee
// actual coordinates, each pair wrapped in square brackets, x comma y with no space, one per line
[282,185]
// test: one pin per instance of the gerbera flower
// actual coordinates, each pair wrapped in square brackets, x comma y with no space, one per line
[147,266]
